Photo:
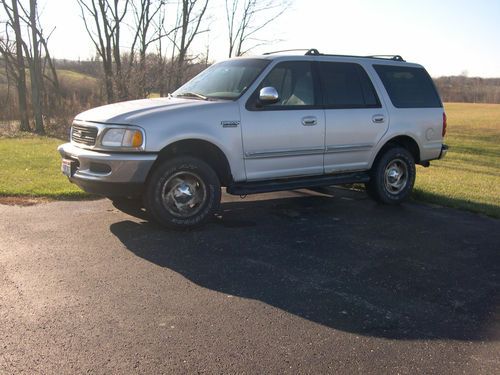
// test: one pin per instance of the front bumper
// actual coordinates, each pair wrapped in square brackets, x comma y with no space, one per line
[109,174]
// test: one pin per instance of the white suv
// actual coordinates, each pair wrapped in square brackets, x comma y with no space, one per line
[260,124]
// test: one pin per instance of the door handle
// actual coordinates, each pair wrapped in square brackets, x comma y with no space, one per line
[378,119]
[309,121]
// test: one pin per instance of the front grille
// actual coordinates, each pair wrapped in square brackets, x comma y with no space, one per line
[84,134]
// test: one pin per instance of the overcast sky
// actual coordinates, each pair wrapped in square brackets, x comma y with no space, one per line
[447,37]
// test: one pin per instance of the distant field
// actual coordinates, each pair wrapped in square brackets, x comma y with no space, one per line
[61,74]
[468,178]
[67,78]
[74,77]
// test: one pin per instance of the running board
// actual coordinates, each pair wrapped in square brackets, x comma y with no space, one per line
[245,188]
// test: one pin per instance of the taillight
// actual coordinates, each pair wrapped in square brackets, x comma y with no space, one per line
[444,124]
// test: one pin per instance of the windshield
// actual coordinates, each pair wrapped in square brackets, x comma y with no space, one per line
[225,80]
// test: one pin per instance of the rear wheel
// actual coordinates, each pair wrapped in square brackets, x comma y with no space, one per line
[183,193]
[392,176]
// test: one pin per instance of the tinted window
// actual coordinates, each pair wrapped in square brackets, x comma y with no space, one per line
[408,87]
[294,83]
[346,85]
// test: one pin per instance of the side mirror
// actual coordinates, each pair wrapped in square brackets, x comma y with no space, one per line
[268,95]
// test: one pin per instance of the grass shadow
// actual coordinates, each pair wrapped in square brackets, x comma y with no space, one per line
[442,200]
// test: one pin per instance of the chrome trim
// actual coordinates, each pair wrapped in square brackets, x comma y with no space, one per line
[184,194]
[348,148]
[309,121]
[269,95]
[230,124]
[378,119]
[283,153]
[308,151]
[396,176]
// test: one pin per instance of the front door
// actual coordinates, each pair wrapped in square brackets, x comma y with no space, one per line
[284,139]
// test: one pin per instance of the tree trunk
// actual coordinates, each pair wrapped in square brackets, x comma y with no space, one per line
[36,72]
[121,81]
[21,78]
[108,80]
[179,76]
[142,71]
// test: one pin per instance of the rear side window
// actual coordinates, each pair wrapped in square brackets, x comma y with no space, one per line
[346,85]
[409,87]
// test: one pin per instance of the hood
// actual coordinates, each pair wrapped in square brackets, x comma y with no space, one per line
[130,111]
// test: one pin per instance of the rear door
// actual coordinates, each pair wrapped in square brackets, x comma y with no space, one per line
[355,118]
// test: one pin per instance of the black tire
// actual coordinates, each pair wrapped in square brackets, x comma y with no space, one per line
[392,176]
[182,193]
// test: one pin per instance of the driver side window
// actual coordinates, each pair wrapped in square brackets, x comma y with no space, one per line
[294,83]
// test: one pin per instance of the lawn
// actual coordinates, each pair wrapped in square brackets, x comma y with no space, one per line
[30,166]
[468,178]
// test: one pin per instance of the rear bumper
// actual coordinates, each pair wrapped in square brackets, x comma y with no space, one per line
[444,150]
[109,174]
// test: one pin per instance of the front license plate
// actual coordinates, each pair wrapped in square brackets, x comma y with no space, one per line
[67,167]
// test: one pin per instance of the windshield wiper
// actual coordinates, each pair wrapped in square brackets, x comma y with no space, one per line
[192,95]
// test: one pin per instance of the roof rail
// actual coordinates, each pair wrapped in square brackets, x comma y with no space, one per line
[315,52]
[287,50]
[389,57]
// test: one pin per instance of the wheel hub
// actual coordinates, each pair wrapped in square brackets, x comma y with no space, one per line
[396,176]
[393,174]
[183,194]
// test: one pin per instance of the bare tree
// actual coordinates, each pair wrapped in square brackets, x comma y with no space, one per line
[190,18]
[31,51]
[8,58]
[245,18]
[102,20]
[101,39]
[14,57]
[146,33]
[162,61]
[117,15]
[36,69]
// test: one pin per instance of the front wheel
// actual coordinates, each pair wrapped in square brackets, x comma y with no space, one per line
[392,176]
[183,193]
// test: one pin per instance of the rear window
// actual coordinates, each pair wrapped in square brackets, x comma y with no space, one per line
[409,87]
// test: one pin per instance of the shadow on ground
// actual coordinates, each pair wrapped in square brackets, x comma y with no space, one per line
[409,272]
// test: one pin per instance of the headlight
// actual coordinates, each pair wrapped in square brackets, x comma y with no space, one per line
[122,137]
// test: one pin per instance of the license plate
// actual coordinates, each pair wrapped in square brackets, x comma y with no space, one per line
[67,167]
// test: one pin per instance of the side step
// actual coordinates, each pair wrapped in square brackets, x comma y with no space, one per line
[245,188]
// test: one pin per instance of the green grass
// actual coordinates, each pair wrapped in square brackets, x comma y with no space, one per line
[468,178]
[30,166]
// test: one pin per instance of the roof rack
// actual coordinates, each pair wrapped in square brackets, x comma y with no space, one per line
[389,57]
[287,50]
[315,52]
